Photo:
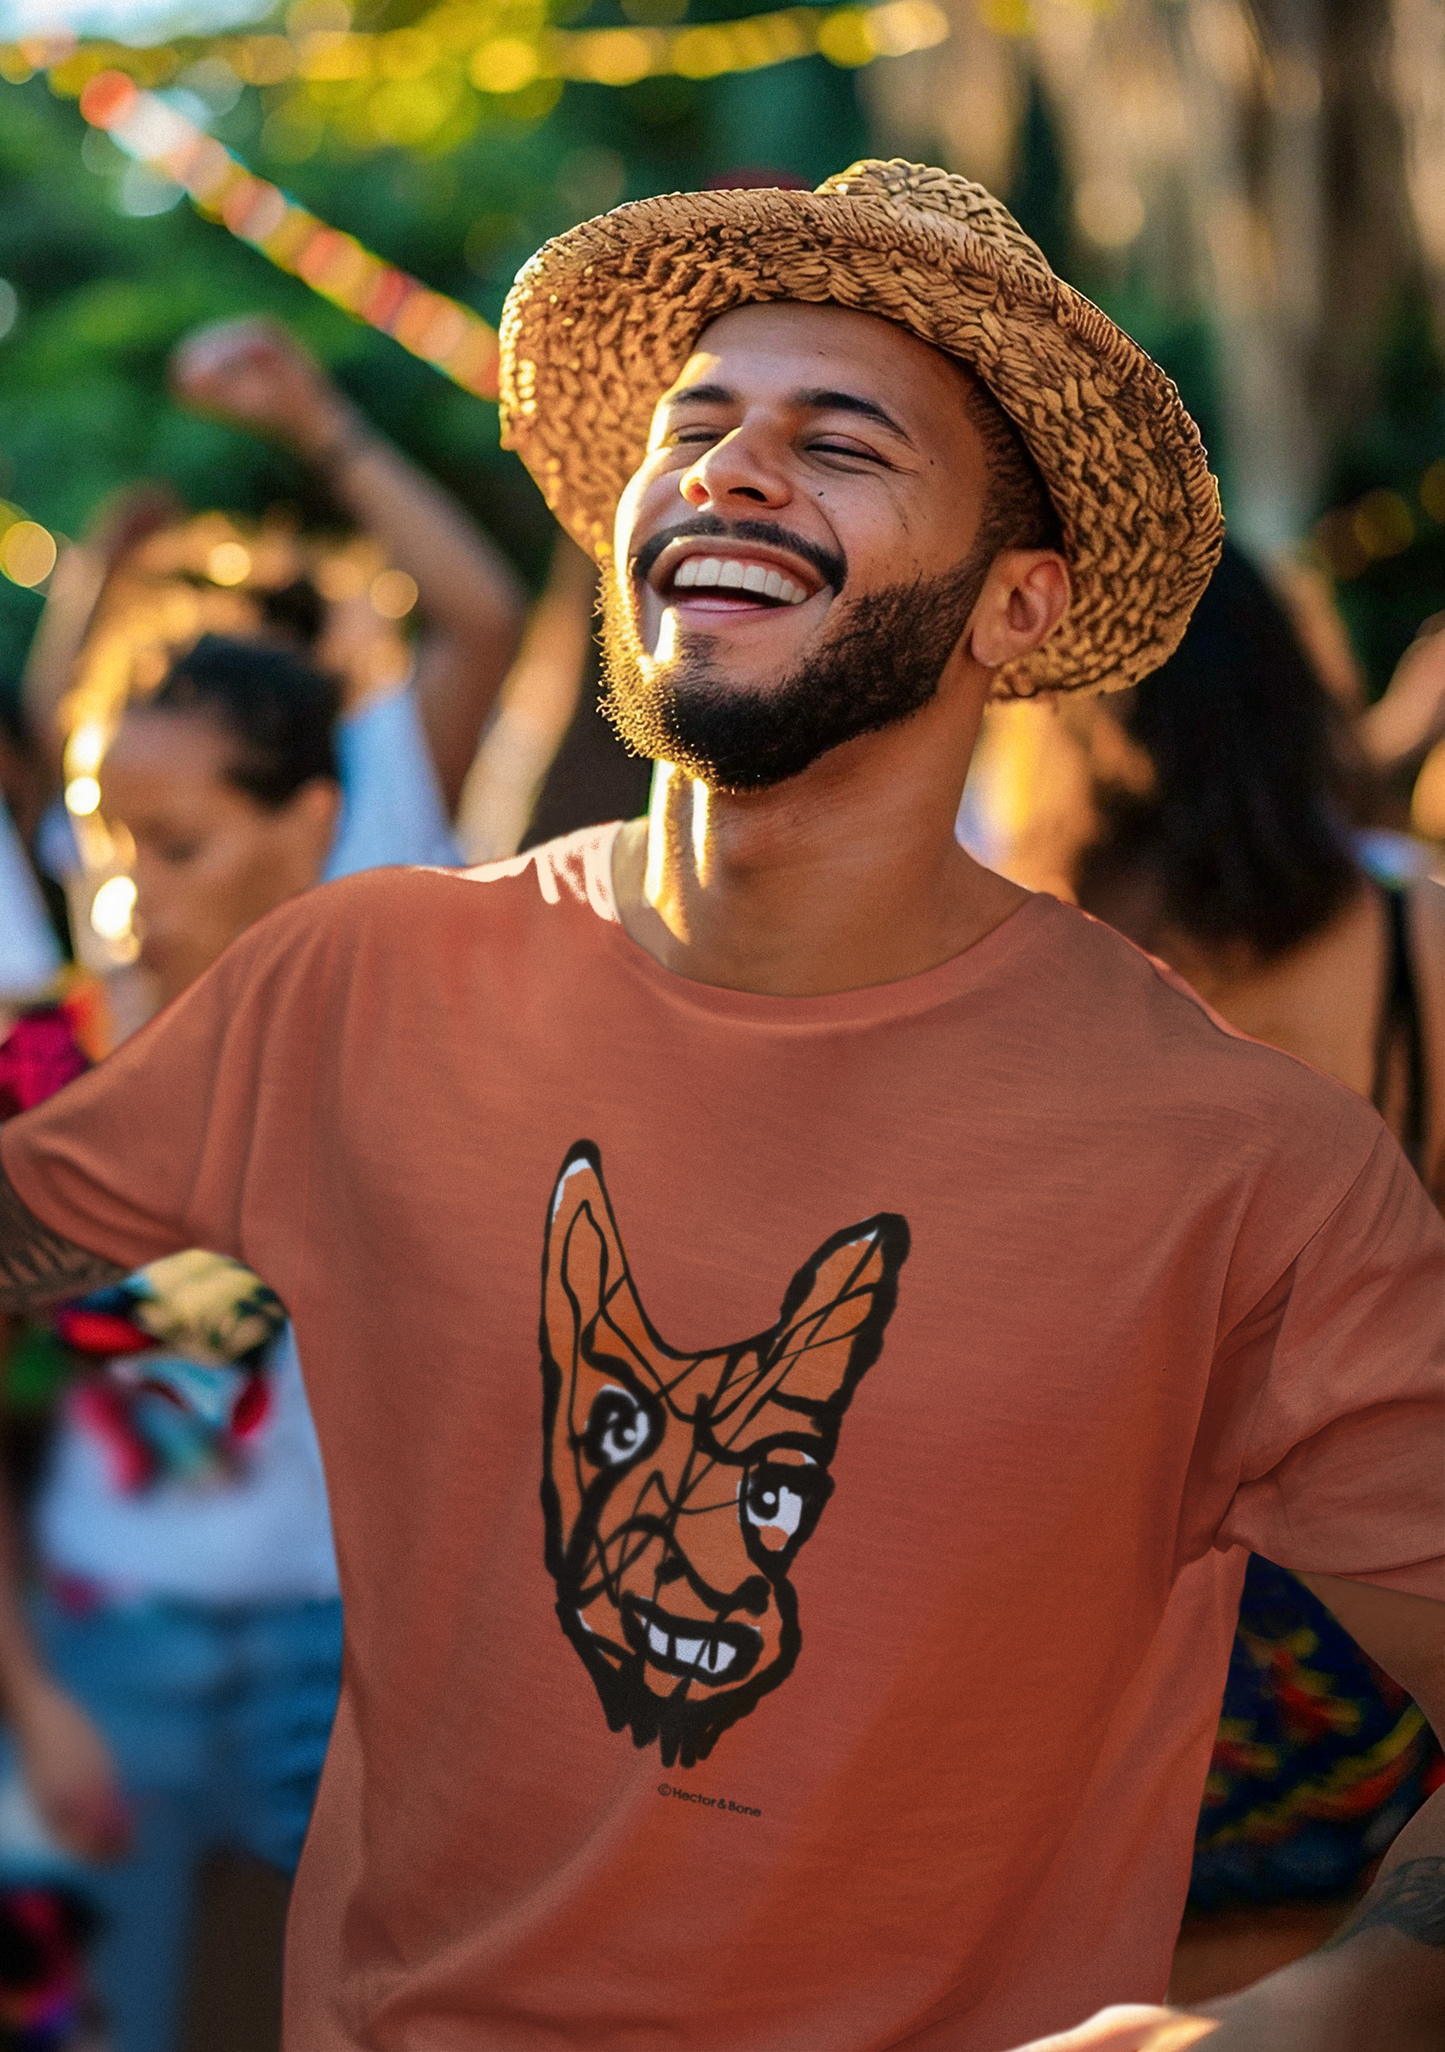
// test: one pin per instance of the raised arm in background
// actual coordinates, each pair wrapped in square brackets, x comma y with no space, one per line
[252,374]
[536,707]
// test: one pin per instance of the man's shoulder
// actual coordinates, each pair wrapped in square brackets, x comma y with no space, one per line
[1175,1066]
[572,871]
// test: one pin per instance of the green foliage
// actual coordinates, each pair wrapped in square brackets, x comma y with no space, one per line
[35,1371]
[104,296]
[1392,449]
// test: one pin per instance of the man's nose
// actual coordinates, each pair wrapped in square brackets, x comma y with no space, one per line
[740,470]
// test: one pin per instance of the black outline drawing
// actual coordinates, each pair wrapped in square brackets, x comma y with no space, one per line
[676,1656]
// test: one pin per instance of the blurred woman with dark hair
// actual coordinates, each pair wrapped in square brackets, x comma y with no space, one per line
[1225,847]
[1222,790]
[170,1690]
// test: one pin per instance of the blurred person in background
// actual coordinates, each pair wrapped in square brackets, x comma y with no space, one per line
[252,374]
[172,1689]
[1218,837]
[150,578]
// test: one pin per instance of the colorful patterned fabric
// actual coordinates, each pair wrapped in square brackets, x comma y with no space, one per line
[169,1358]
[175,1353]
[38,1056]
[1320,1758]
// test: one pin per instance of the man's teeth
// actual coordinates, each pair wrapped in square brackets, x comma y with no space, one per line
[728,574]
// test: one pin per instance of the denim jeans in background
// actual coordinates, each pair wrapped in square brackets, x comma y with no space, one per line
[218,1718]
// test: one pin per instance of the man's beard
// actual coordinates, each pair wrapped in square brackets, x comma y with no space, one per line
[882,665]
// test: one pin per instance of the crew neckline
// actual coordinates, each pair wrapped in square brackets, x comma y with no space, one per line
[868,1003]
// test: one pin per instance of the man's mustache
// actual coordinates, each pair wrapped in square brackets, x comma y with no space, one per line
[831,565]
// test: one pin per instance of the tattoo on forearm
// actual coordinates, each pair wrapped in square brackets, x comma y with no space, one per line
[1410,1898]
[37,1265]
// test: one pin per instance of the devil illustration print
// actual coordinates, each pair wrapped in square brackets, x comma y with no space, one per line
[677,1488]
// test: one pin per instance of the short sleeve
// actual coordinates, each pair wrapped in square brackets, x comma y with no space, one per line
[1329,1405]
[195,1132]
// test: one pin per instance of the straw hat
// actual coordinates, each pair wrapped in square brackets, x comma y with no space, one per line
[602,319]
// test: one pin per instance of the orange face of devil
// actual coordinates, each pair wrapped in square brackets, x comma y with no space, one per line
[679,1487]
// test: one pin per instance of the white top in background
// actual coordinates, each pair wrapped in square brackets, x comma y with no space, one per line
[266,1537]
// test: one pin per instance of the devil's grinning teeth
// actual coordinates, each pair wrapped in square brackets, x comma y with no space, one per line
[711,1656]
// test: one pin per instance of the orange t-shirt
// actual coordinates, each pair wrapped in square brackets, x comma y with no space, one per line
[816,1640]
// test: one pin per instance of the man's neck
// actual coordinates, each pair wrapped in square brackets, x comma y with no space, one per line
[845,876]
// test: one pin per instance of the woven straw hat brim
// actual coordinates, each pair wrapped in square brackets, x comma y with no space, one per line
[602,319]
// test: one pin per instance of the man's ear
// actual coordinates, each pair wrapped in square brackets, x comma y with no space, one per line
[1024,597]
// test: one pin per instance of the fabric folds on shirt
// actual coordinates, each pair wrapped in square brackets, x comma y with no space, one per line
[819,1639]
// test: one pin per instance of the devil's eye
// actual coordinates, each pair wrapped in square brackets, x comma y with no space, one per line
[771,1503]
[618,1428]
[775,1499]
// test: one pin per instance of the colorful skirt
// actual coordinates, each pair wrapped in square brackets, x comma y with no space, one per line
[1319,1761]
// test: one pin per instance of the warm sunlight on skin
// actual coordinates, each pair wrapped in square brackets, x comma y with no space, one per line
[851,437]
[850,433]
[209,858]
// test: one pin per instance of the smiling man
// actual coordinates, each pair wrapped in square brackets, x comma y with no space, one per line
[816,1645]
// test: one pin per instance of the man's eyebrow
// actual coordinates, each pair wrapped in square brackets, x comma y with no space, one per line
[823,400]
[707,395]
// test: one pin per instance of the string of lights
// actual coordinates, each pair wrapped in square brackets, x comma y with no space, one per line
[119,92]
[429,324]
[503,51]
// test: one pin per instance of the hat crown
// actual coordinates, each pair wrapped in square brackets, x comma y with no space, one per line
[966,205]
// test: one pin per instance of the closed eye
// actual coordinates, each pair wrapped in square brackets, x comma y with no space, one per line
[852,452]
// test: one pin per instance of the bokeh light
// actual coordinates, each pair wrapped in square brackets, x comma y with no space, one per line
[27,552]
[113,908]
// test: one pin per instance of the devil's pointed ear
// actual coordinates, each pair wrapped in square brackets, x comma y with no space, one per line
[582,1256]
[601,1363]
[590,1310]
[830,1329]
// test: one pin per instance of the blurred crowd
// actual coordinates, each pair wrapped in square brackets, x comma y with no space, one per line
[217,714]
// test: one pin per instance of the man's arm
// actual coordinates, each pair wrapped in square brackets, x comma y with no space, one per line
[38,1265]
[1379,1984]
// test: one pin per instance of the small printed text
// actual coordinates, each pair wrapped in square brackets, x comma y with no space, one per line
[724,1805]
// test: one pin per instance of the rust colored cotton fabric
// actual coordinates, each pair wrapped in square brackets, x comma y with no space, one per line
[815,1639]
